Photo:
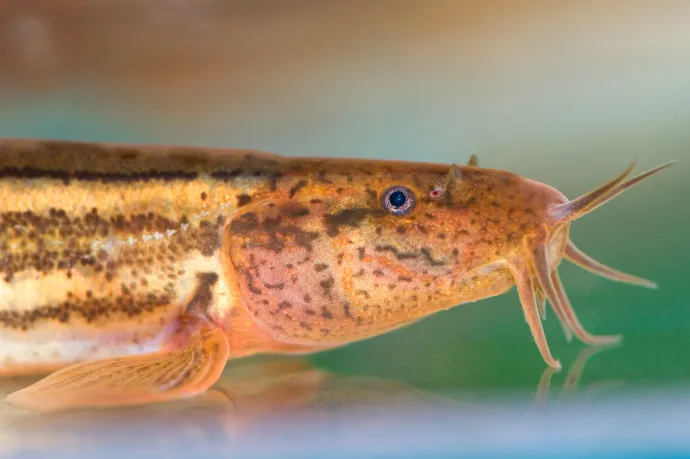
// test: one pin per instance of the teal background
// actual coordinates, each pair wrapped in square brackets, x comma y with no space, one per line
[567,94]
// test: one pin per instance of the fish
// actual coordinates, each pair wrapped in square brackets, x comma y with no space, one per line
[131,274]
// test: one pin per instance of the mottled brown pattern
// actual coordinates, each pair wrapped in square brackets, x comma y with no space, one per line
[77,161]
[302,251]
[28,241]
[120,223]
[373,271]
[350,218]
[90,309]
[131,301]
[243,200]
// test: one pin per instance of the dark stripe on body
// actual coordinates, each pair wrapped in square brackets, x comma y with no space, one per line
[130,303]
[32,233]
[110,163]
[89,309]
[90,176]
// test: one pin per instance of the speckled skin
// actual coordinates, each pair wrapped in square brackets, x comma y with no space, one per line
[103,247]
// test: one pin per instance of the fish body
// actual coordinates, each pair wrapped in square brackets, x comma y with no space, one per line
[104,248]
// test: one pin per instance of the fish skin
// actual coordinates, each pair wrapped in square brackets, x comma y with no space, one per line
[103,247]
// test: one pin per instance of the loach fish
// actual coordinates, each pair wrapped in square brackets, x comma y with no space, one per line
[133,273]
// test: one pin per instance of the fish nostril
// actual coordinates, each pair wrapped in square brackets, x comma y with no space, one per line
[436,192]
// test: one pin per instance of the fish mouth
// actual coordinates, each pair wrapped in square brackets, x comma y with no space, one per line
[535,270]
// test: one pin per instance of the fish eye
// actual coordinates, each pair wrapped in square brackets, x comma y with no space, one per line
[398,200]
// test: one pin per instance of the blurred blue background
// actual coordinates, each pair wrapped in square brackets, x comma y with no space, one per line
[567,93]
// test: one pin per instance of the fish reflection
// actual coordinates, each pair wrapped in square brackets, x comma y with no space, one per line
[246,400]
[268,385]
[572,380]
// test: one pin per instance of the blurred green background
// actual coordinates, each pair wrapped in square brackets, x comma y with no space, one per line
[567,93]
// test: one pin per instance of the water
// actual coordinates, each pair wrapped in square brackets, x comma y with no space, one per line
[566,94]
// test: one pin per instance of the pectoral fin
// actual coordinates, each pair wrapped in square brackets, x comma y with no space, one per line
[189,368]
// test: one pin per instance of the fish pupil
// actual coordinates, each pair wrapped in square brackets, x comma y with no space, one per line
[397,199]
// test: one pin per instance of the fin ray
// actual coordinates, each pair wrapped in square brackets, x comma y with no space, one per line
[132,380]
